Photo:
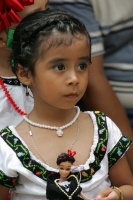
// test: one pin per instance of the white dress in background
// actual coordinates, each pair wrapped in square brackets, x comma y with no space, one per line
[8,115]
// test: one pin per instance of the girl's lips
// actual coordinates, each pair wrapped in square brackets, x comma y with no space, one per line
[72,95]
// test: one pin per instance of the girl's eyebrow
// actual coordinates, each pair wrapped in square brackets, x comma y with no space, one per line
[57,60]
[86,58]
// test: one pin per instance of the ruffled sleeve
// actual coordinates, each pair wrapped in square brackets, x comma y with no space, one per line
[8,177]
[118,144]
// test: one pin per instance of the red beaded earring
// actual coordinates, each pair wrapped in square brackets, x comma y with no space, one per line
[27,92]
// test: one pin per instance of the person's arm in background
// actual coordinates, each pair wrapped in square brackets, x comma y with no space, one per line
[100,96]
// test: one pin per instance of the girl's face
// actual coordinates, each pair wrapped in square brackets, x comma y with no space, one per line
[64,169]
[61,77]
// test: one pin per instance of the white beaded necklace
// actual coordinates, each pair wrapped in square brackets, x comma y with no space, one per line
[59,131]
[35,147]
[69,196]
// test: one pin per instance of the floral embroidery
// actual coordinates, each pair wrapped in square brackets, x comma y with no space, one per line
[97,112]
[84,174]
[101,131]
[15,140]
[38,173]
[11,81]
[7,181]
[92,170]
[20,154]
[100,150]
[24,156]
[14,180]
[116,153]
[103,148]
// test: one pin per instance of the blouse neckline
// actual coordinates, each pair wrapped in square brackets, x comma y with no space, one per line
[74,168]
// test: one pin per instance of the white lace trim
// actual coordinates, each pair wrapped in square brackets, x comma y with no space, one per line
[91,159]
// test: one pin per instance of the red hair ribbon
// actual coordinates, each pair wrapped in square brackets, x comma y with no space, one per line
[71,153]
[8,9]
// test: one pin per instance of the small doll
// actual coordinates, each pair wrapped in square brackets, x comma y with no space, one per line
[64,185]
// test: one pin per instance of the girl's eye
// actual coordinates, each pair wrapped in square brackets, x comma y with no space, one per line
[82,66]
[59,67]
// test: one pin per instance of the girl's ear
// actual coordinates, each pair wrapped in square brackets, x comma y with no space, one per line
[3,37]
[24,75]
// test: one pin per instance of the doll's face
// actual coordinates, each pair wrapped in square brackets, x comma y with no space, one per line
[64,169]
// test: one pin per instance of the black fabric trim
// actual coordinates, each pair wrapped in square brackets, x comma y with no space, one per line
[7,181]
[100,149]
[11,81]
[117,152]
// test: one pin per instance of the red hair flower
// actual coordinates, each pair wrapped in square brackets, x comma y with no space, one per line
[8,9]
[71,153]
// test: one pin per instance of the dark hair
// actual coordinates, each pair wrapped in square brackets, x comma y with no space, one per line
[41,26]
[63,157]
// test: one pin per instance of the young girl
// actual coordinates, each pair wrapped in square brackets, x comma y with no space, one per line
[13,101]
[64,185]
[51,54]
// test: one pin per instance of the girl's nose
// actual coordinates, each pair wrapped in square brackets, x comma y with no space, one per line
[73,78]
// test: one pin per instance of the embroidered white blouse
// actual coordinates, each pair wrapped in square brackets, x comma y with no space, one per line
[27,176]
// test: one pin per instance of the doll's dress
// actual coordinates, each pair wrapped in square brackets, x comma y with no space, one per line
[27,175]
[8,115]
[54,191]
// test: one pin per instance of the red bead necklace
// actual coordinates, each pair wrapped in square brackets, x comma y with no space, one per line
[12,102]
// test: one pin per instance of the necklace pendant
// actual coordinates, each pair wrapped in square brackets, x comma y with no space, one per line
[59,132]
[70,197]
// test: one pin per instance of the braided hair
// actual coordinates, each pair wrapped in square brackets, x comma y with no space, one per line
[40,31]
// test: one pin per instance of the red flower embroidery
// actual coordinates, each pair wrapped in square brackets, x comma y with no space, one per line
[38,173]
[14,180]
[103,148]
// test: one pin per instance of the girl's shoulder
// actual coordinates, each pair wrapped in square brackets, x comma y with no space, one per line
[95,118]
